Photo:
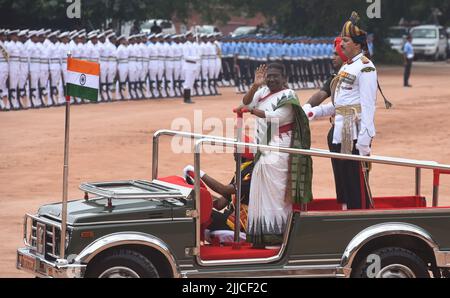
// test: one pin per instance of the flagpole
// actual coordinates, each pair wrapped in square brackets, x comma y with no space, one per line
[65,175]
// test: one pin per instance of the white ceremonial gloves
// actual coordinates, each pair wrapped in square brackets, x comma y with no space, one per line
[319,111]
[363,149]
[315,113]
[307,108]
[190,168]
[311,112]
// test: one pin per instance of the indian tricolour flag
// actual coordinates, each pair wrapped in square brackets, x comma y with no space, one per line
[82,79]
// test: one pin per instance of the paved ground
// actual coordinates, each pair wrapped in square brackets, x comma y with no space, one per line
[113,141]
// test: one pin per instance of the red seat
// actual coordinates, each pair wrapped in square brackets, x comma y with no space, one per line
[228,253]
[205,198]
[380,203]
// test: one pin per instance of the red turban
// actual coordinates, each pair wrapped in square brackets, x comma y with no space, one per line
[338,48]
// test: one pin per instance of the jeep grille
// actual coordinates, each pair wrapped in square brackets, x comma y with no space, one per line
[43,236]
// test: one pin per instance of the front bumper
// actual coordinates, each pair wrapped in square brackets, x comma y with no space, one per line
[29,261]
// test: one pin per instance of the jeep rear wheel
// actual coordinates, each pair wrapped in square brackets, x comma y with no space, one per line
[122,263]
[395,262]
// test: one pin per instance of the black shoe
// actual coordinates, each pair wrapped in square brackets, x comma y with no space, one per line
[187,97]
[407,86]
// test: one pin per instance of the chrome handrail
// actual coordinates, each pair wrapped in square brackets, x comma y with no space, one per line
[431,165]
[166,132]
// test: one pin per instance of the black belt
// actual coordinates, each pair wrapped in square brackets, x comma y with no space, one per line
[191,61]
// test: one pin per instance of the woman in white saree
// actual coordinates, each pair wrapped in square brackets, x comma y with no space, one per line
[278,124]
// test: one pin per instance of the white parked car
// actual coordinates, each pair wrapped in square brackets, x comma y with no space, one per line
[396,37]
[430,41]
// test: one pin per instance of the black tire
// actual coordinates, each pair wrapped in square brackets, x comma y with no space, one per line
[402,262]
[122,263]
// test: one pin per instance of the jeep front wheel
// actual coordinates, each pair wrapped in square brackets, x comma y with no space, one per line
[394,262]
[122,263]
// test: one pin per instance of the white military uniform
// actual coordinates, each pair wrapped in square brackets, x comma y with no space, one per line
[177,63]
[205,63]
[45,69]
[160,71]
[24,68]
[34,54]
[217,57]
[55,69]
[132,69]
[170,67]
[145,53]
[356,92]
[197,49]
[122,60]
[111,50]
[104,65]
[14,51]
[4,70]
[153,67]
[191,62]
[142,66]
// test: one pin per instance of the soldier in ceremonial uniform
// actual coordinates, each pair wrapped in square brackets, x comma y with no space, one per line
[4,70]
[13,48]
[191,60]
[205,74]
[169,66]
[24,70]
[104,64]
[216,61]
[132,67]
[152,65]
[44,68]
[161,67]
[122,60]
[34,52]
[354,93]
[111,49]
[178,59]
[55,67]
[63,49]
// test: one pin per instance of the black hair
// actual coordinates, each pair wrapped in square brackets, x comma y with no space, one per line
[277,66]
[362,41]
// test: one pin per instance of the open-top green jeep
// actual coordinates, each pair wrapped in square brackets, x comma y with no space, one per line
[154,229]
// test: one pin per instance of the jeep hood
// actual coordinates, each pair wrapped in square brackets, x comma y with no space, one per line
[97,210]
[130,200]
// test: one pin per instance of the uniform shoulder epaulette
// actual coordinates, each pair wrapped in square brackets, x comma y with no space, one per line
[368,69]
[365,60]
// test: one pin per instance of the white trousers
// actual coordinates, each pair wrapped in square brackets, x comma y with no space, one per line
[190,72]
[14,74]
[123,72]
[112,71]
[4,71]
